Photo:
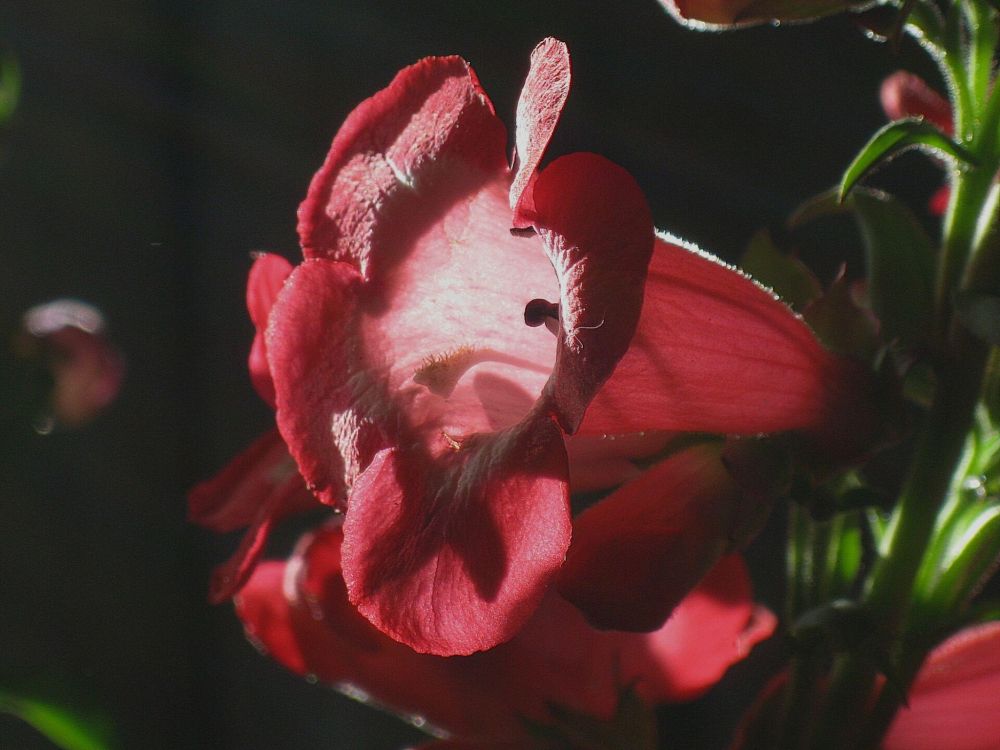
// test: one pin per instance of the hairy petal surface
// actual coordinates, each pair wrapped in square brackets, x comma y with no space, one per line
[538,109]
[598,233]
[453,557]
[432,115]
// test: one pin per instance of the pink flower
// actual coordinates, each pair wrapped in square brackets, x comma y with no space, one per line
[905,94]
[298,613]
[461,377]
[68,337]
[955,700]
[262,485]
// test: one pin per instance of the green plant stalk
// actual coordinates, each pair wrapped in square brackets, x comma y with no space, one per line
[970,190]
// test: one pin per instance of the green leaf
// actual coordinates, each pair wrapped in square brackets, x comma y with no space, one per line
[66,728]
[788,277]
[896,137]
[841,324]
[820,206]
[900,259]
[10,85]
[980,313]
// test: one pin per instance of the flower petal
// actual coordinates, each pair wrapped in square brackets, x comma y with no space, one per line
[451,557]
[299,614]
[258,488]
[639,551]
[906,94]
[230,500]
[715,352]
[598,234]
[267,276]
[542,99]
[433,113]
[714,627]
[308,349]
[955,700]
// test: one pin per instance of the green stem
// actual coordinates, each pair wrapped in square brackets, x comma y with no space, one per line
[968,195]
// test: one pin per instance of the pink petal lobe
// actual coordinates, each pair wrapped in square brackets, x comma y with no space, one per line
[598,233]
[713,627]
[955,700]
[300,615]
[715,352]
[433,115]
[451,557]
[231,499]
[542,99]
[906,94]
[267,276]
[309,348]
[257,489]
[638,552]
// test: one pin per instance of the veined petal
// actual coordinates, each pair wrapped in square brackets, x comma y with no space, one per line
[451,557]
[955,700]
[542,99]
[715,352]
[638,552]
[433,115]
[267,276]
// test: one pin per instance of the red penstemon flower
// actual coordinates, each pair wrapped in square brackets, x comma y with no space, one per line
[299,613]
[465,344]
[906,94]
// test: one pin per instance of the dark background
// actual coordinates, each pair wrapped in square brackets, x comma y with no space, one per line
[159,142]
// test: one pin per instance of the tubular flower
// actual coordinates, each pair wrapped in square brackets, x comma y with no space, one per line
[465,343]
[727,14]
[299,613]
[261,485]
[955,700]
[905,94]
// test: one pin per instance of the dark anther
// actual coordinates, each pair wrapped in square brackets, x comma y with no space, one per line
[526,232]
[538,311]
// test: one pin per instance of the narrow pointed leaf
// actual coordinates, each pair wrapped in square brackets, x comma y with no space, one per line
[64,727]
[896,137]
